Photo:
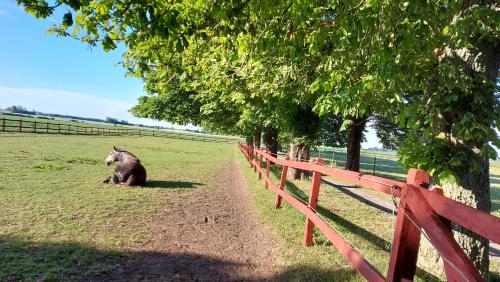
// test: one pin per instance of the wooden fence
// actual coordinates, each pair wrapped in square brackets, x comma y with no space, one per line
[29,126]
[420,211]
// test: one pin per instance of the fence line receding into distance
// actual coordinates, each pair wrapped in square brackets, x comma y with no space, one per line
[420,212]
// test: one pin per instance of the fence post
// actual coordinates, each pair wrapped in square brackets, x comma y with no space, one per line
[47,127]
[313,201]
[268,168]
[3,124]
[374,164]
[255,155]
[20,125]
[284,172]
[58,129]
[34,127]
[260,165]
[406,240]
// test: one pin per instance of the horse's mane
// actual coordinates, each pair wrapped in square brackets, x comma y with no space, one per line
[126,152]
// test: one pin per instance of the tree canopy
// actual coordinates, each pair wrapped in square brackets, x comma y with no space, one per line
[424,70]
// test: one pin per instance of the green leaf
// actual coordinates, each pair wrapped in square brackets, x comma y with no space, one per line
[447,177]
[67,19]
[446,30]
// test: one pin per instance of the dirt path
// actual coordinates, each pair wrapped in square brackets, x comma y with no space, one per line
[213,234]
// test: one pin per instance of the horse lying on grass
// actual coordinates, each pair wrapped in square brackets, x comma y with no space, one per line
[130,172]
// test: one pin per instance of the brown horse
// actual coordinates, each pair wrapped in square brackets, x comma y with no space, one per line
[130,172]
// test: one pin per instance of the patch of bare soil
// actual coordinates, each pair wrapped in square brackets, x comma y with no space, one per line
[211,235]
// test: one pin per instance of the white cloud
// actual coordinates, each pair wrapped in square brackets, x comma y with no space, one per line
[71,103]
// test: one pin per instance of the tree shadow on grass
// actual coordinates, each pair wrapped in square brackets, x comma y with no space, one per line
[172,184]
[35,261]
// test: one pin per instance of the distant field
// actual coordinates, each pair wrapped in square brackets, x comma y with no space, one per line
[40,124]
[387,165]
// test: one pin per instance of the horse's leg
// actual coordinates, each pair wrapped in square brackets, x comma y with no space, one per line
[130,181]
[107,179]
[115,180]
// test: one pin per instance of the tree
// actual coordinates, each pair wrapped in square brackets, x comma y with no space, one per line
[390,134]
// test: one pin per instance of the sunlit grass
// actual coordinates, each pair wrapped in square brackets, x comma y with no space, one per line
[51,193]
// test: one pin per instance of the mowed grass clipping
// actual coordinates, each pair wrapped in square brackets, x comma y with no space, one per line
[58,220]
[367,228]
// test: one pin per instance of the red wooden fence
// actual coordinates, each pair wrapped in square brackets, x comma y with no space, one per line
[420,210]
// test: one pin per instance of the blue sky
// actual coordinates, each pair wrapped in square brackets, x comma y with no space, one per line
[62,75]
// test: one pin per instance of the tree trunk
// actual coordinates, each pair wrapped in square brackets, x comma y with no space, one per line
[480,61]
[257,136]
[474,191]
[298,152]
[354,136]
[271,140]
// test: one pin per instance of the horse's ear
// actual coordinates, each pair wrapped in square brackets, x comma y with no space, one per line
[115,149]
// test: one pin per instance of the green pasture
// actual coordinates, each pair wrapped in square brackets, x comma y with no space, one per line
[58,221]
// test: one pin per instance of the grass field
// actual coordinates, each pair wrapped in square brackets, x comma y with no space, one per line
[59,220]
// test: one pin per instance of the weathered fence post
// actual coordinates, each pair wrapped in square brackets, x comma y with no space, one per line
[406,240]
[313,202]
[268,168]
[3,124]
[47,127]
[58,129]
[284,172]
[20,125]
[34,127]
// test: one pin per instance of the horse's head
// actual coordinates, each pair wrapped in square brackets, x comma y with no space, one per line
[113,156]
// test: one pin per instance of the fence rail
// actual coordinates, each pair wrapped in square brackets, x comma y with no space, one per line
[420,211]
[28,126]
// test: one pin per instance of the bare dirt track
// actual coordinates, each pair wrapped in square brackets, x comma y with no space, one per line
[210,235]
